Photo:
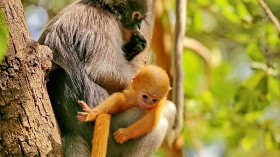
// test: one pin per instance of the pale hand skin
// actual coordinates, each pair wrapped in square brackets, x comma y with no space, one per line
[88,113]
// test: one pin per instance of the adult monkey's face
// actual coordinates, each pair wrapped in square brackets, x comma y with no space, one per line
[131,14]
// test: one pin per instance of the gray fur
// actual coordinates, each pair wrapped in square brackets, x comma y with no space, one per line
[86,43]
[89,38]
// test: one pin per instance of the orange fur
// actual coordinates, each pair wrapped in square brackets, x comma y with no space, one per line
[100,135]
[148,90]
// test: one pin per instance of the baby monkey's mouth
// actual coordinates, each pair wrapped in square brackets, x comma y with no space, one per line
[144,106]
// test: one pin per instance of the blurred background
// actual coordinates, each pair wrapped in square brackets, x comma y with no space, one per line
[231,72]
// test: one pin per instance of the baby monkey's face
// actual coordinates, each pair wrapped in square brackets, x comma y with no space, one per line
[147,100]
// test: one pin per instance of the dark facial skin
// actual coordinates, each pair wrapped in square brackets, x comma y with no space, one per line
[134,46]
[131,14]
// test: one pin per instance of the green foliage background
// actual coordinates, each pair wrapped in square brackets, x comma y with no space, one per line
[238,111]
[3,36]
[233,104]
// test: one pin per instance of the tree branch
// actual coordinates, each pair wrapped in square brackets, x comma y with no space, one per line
[178,92]
[201,50]
[270,15]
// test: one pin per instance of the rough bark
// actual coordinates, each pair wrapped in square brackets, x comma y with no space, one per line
[28,126]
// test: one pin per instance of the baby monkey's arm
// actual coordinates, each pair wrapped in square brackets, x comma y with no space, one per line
[115,103]
[141,127]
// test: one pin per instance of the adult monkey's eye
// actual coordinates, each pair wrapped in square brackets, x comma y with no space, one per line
[136,15]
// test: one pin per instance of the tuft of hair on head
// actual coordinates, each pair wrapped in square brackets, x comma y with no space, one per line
[155,77]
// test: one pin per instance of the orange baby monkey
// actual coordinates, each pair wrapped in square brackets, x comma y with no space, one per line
[148,89]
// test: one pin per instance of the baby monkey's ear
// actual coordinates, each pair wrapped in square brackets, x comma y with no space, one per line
[134,81]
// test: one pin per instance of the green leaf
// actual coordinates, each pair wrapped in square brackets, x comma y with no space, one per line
[243,12]
[273,87]
[3,36]
[252,95]
[254,51]
[193,67]
[253,81]
[222,3]
[207,98]
[253,116]
[268,139]
[198,20]
[249,141]
[203,2]
[230,13]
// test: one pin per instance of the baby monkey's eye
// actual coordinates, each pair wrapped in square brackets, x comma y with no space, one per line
[145,96]
[155,100]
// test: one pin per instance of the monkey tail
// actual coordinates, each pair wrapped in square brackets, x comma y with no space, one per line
[100,135]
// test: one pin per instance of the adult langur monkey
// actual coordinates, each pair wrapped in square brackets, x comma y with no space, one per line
[97,49]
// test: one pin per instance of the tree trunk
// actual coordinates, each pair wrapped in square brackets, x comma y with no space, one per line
[28,126]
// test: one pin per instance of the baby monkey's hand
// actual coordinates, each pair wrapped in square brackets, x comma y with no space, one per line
[122,135]
[88,113]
